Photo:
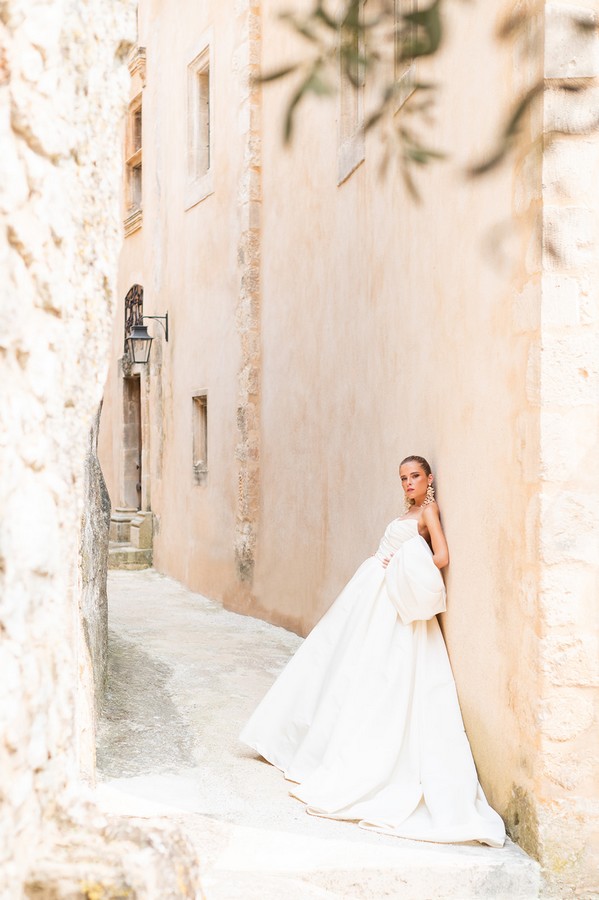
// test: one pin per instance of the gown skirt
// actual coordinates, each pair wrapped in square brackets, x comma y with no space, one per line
[365,719]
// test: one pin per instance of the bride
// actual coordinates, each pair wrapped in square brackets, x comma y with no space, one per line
[365,720]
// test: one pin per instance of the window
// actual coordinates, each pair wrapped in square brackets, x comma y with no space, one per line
[133,167]
[200,153]
[404,68]
[351,105]
[136,128]
[200,437]
[199,128]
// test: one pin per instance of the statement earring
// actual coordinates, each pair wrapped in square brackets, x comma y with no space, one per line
[430,495]
[407,503]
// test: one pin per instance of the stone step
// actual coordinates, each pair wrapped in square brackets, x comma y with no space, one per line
[126,556]
[120,531]
[258,863]
[140,532]
[347,871]
[188,673]
[120,523]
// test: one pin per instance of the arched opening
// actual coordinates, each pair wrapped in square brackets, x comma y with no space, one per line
[132,430]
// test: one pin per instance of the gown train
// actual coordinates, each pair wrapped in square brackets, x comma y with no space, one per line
[365,719]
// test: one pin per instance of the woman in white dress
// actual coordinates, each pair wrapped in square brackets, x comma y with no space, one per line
[364,719]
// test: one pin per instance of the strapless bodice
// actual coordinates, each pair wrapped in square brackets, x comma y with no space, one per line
[396,533]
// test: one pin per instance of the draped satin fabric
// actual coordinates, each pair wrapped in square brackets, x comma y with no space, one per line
[365,719]
[414,584]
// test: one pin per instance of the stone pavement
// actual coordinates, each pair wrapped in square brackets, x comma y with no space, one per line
[184,676]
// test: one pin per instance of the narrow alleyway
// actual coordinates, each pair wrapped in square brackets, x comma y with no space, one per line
[184,676]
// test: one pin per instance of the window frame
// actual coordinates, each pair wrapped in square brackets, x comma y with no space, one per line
[199,184]
[199,436]
[404,79]
[351,141]
[133,162]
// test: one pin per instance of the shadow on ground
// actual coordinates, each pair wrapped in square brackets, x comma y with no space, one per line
[141,730]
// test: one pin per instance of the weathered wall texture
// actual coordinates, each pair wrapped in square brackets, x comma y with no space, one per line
[248,313]
[337,327]
[93,562]
[201,262]
[401,335]
[567,506]
[62,86]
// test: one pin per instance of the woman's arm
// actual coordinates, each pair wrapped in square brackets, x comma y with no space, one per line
[430,518]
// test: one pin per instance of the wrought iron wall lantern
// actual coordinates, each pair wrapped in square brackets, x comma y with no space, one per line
[139,341]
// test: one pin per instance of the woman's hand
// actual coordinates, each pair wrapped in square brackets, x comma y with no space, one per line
[386,561]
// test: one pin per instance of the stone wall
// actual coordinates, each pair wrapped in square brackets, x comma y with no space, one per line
[93,563]
[62,90]
[567,506]
[247,60]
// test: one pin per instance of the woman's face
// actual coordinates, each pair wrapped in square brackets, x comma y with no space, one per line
[414,481]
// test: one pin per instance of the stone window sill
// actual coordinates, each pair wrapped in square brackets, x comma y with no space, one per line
[133,221]
[200,473]
[405,86]
[350,155]
[198,189]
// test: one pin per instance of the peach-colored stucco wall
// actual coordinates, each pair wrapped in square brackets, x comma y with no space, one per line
[388,329]
[382,327]
[186,261]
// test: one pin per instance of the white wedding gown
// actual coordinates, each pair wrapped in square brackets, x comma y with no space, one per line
[365,717]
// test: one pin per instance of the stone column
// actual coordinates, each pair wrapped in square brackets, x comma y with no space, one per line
[567,795]
[93,563]
[247,63]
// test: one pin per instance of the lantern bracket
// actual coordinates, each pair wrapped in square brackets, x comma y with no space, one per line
[163,321]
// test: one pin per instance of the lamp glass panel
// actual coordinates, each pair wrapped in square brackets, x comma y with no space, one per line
[140,349]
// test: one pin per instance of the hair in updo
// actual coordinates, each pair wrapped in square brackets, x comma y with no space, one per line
[421,462]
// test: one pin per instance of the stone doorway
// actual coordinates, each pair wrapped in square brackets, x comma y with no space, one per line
[132,441]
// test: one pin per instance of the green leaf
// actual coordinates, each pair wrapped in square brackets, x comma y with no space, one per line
[301,26]
[410,184]
[512,25]
[428,32]
[325,18]
[293,103]
[422,156]
[276,74]
[313,83]
[373,119]
[353,17]
[523,105]
[317,85]
[508,133]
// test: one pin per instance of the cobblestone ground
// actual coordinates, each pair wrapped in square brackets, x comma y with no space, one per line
[184,677]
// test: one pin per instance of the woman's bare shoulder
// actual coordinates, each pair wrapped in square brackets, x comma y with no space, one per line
[430,513]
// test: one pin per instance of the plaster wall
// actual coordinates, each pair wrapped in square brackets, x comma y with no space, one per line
[186,259]
[390,328]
